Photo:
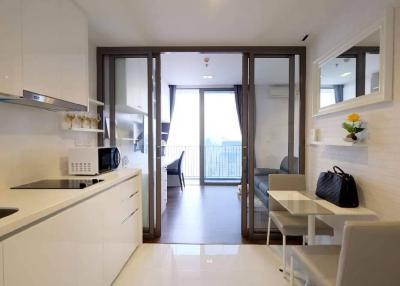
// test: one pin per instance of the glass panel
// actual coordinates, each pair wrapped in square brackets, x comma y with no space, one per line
[296,139]
[222,137]
[372,66]
[352,74]
[131,120]
[184,133]
[106,109]
[271,129]
[338,80]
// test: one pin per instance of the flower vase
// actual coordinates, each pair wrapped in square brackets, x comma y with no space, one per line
[351,137]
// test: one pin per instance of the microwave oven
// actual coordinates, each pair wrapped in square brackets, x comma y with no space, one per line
[93,160]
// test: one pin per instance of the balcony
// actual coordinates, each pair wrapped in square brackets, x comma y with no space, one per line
[222,163]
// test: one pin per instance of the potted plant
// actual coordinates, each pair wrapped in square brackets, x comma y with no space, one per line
[353,125]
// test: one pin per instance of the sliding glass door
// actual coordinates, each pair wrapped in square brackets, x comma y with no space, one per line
[129,92]
[273,129]
[260,124]
[222,139]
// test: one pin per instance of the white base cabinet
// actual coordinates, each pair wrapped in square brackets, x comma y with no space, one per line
[86,244]
[164,188]
[122,227]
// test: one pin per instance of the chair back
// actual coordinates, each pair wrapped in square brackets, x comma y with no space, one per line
[370,254]
[284,182]
[180,162]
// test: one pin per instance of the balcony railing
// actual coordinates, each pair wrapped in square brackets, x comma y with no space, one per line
[220,162]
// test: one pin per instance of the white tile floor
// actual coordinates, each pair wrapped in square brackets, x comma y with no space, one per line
[209,265]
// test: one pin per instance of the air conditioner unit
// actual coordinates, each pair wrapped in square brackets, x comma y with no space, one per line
[279,91]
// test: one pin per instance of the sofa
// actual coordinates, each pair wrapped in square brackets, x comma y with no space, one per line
[261,178]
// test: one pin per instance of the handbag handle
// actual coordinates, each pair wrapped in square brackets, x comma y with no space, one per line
[338,170]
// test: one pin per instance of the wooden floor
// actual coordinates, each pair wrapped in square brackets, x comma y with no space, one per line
[204,215]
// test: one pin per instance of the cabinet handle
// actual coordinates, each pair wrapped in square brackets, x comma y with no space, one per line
[131,214]
[132,195]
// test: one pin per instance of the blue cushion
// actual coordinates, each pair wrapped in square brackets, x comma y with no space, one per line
[261,182]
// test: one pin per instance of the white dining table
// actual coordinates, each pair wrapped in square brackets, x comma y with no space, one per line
[303,203]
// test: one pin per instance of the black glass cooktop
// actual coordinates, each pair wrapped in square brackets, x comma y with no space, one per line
[59,184]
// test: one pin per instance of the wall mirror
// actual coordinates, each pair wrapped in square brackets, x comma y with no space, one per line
[358,72]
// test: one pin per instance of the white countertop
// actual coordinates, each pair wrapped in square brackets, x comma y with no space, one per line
[34,205]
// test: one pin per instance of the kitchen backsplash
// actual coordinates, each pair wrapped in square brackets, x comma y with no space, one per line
[33,144]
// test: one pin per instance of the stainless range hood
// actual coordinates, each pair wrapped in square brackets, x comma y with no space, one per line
[44,102]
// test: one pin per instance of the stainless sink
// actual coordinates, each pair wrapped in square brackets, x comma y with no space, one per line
[7,211]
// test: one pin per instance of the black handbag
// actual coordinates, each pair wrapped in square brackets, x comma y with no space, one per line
[338,188]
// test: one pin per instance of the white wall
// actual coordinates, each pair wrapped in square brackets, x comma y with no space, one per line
[375,168]
[32,143]
[271,140]
[349,91]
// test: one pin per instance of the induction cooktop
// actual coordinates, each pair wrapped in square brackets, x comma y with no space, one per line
[59,184]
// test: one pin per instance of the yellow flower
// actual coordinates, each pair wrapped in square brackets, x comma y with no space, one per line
[354,117]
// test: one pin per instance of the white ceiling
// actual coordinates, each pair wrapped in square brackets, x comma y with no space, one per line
[338,71]
[189,68]
[226,69]
[343,71]
[205,22]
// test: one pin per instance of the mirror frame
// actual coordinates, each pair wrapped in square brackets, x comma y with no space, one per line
[386,28]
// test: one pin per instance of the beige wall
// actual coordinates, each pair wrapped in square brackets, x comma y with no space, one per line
[33,144]
[377,167]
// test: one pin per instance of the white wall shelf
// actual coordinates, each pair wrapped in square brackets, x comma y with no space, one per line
[340,143]
[126,139]
[128,109]
[86,129]
[96,102]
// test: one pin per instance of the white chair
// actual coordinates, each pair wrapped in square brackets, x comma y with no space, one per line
[369,256]
[288,224]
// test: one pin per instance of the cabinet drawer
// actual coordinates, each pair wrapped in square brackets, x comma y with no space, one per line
[130,234]
[130,187]
[130,203]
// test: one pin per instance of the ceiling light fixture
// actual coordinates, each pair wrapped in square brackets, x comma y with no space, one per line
[207,76]
[345,74]
[206,61]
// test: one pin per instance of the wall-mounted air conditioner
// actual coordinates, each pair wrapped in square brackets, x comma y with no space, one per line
[281,91]
[277,91]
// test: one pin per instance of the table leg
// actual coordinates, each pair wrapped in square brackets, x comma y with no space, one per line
[311,229]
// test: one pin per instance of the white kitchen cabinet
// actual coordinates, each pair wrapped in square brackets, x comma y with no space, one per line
[121,226]
[90,237]
[44,49]
[55,50]
[10,48]
[74,50]
[87,244]
[65,249]
[164,188]
[41,46]
[131,85]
